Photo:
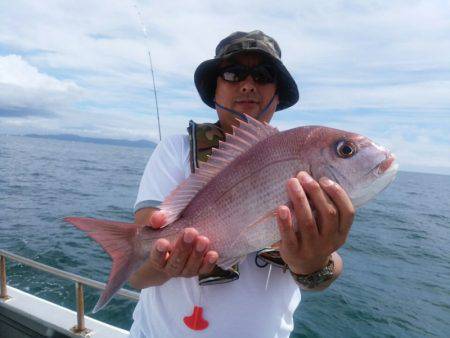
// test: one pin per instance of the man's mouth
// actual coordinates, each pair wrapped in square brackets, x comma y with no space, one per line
[247,102]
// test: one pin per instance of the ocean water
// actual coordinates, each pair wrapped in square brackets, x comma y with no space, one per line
[396,280]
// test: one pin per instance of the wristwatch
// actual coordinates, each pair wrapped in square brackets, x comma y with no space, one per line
[316,278]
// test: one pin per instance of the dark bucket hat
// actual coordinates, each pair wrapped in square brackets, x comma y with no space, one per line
[242,42]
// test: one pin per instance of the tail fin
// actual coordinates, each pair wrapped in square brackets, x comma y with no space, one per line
[118,240]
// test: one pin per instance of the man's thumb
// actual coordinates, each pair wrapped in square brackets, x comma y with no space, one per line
[157,219]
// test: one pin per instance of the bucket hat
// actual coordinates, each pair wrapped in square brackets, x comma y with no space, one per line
[256,41]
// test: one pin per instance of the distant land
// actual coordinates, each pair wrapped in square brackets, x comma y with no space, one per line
[76,138]
[151,145]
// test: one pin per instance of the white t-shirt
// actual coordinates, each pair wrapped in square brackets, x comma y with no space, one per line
[242,308]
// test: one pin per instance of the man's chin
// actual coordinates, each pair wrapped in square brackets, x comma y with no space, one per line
[247,108]
[250,112]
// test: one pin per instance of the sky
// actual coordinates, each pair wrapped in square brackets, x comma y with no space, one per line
[378,68]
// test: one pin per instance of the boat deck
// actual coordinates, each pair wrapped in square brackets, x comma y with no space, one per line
[25,315]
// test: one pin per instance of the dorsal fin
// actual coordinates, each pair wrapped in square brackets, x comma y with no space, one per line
[244,137]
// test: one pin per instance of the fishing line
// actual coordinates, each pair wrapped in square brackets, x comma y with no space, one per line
[268,276]
[144,30]
[242,116]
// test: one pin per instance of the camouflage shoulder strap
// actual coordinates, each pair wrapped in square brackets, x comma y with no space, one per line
[202,138]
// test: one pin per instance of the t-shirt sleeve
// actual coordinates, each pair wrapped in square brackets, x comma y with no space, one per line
[165,169]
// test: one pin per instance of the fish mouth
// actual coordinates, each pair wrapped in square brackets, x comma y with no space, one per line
[387,164]
[384,173]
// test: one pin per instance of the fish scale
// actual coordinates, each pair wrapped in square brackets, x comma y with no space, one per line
[243,193]
[232,198]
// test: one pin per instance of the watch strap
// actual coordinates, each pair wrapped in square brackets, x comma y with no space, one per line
[316,278]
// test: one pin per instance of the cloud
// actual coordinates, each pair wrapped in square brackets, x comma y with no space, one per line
[24,91]
[378,68]
[23,112]
[419,140]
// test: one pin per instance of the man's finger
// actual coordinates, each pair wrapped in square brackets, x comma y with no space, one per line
[287,233]
[307,229]
[342,202]
[209,262]
[327,212]
[157,219]
[182,250]
[196,258]
[159,253]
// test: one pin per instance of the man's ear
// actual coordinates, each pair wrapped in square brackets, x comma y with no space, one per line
[215,90]
[276,99]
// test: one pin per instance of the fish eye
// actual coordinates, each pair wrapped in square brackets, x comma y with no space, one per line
[346,149]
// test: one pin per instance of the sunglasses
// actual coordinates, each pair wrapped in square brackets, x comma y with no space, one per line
[271,256]
[220,276]
[262,74]
[263,258]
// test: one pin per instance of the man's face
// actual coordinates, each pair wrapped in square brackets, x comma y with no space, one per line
[246,96]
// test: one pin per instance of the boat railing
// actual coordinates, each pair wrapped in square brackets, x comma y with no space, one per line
[78,280]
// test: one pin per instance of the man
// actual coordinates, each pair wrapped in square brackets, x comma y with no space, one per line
[245,77]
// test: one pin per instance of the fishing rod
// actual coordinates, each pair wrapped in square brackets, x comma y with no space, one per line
[144,30]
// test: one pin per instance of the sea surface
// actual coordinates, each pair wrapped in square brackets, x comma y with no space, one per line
[396,280]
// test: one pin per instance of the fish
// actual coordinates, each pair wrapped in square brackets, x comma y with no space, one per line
[232,198]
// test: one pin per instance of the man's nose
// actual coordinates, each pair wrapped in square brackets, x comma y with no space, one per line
[248,85]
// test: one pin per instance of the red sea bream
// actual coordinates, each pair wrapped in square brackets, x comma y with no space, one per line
[232,198]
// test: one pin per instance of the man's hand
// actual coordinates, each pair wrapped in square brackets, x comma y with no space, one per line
[188,256]
[319,234]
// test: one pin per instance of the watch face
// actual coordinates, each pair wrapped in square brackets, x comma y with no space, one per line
[316,278]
